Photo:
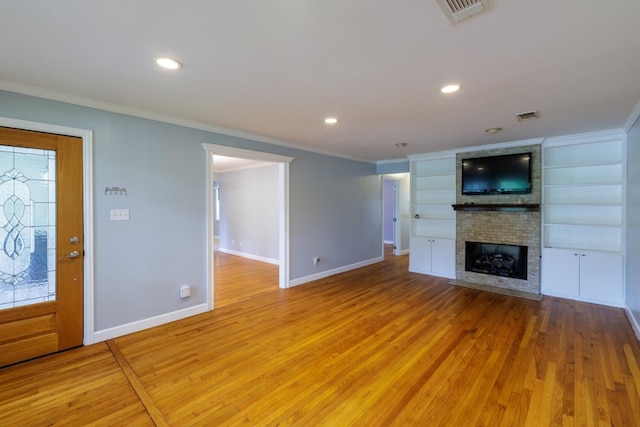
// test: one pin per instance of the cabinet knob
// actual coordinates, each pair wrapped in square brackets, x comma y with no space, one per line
[416,216]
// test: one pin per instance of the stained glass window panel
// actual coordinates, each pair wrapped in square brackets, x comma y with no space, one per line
[27,226]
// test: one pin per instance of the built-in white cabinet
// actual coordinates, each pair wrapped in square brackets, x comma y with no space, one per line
[433,256]
[433,223]
[587,275]
[583,217]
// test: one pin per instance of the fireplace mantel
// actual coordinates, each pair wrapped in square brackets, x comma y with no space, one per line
[513,207]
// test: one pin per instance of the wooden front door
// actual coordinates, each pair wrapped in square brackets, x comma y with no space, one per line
[41,244]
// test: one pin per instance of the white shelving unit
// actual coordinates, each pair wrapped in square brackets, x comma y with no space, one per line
[433,223]
[583,217]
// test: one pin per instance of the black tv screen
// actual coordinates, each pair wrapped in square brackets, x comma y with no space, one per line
[505,174]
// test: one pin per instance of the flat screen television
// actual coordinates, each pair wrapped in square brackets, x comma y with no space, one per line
[504,174]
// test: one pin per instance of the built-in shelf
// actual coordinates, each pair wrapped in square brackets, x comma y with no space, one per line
[514,207]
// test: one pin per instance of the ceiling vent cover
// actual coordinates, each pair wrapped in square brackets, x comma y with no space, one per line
[529,115]
[457,10]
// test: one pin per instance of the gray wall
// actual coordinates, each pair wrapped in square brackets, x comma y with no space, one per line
[393,166]
[249,211]
[139,264]
[336,213]
[633,222]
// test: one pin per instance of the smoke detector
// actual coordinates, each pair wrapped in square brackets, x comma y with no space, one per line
[457,10]
[529,115]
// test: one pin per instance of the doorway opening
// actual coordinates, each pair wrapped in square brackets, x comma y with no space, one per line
[395,208]
[282,163]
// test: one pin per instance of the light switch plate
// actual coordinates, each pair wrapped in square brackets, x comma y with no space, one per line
[119,214]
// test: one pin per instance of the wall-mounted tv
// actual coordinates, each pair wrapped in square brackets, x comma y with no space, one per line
[504,174]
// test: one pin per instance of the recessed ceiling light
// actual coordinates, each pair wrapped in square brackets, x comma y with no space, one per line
[169,63]
[331,120]
[450,88]
[493,130]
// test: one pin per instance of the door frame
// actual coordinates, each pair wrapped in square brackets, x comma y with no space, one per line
[283,209]
[87,209]
[397,231]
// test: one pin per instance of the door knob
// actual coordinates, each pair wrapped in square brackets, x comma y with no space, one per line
[72,254]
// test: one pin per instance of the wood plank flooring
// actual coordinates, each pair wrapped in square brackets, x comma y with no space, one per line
[237,279]
[373,347]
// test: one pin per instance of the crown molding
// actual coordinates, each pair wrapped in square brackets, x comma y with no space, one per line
[150,115]
[633,118]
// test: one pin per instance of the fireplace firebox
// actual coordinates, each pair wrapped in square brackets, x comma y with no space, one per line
[496,259]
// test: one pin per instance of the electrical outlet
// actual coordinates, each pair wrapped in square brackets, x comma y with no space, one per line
[316,260]
[185,291]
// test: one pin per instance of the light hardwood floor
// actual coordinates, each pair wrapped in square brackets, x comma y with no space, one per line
[373,347]
[237,279]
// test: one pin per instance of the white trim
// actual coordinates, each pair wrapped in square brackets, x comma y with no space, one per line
[139,325]
[579,138]
[283,208]
[283,224]
[250,256]
[397,229]
[223,150]
[327,273]
[619,304]
[145,114]
[87,183]
[634,322]
[633,117]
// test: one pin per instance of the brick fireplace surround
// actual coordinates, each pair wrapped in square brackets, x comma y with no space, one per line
[505,227]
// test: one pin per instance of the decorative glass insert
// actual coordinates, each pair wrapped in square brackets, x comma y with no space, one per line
[27,226]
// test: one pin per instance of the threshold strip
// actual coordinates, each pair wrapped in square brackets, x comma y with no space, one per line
[148,403]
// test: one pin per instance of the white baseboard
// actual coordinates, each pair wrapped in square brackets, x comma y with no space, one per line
[250,256]
[327,273]
[634,322]
[581,299]
[404,252]
[118,331]
[388,242]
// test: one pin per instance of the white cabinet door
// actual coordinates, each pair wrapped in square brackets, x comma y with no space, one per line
[443,258]
[601,277]
[584,275]
[433,256]
[420,255]
[560,272]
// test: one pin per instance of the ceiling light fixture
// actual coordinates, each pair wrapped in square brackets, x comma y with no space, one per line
[493,130]
[169,63]
[331,120]
[401,144]
[450,88]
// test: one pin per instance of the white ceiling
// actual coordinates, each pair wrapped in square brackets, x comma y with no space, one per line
[277,68]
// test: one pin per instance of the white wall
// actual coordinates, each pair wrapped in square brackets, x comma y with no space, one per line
[249,212]
[405,212]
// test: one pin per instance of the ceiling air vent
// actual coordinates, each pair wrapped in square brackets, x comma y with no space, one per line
[457,10]
[529,115]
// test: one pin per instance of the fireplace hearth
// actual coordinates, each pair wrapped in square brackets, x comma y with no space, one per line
[496,259]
